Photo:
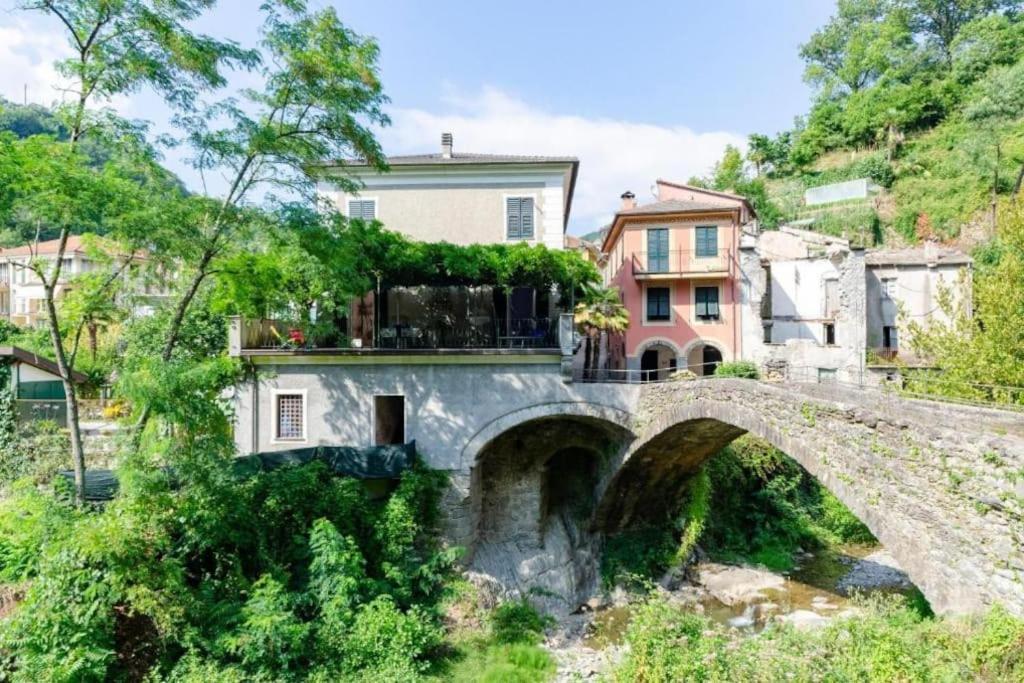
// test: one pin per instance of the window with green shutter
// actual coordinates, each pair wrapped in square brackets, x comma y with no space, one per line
[707,241]
[707,303]
[657,250]
[519,218]
[658,303]
[365,209]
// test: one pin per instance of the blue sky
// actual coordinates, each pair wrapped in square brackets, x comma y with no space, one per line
[636,90]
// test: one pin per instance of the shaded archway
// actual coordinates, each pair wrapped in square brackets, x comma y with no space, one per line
[702,357]
[533,491]
[657,362]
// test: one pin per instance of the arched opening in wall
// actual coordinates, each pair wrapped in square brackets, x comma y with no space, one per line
[533,491]
[744,514]
[657,362]
[703,358]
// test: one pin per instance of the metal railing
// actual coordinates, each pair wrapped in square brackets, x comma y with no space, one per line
[681,262]
[918,384]
[634,376]
[472,333]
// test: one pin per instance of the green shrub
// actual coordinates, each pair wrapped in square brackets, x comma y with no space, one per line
[738,368]
[384,636]
[887,641]
[278,576]
[517,622]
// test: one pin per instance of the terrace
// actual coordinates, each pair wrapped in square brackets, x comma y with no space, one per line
[417,320]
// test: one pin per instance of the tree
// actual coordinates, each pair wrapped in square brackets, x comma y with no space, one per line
[856,46]
[769,155]
[600,313]
[981,350]
[940,21]
[728,172]
[320,96]
[118,47]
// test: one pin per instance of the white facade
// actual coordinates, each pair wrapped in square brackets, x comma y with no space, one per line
[904,288]
[22,295]
[464,199]
[803,306]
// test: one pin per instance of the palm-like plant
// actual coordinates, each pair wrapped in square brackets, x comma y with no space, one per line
[601,311]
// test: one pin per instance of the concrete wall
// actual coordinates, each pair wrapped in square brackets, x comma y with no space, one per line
[918,289]
[861,188]
[798,313]
[448,400]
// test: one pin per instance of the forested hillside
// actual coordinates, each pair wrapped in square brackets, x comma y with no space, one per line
[924,97]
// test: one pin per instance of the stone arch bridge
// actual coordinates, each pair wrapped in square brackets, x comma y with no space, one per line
[543,468]
[940,484]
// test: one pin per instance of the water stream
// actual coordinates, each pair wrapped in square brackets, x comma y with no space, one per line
[748,599]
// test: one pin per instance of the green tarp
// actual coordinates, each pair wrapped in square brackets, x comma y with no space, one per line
[373,462]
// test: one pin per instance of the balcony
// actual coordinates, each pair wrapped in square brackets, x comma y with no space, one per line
[682,264]
[474,335]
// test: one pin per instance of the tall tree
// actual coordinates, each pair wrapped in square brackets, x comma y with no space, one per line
[940,21]
[319,98]
[728,172]
[856,46]
[118,47]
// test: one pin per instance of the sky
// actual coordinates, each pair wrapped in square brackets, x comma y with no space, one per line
[636,90]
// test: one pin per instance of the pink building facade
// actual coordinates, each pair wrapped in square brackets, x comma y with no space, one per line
[675,262]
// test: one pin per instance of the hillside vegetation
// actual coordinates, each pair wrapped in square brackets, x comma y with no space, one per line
[924,97]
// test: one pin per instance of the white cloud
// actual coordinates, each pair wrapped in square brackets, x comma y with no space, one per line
[615,155]
[27,56]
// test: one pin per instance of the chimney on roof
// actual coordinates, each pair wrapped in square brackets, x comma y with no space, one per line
[446,145]
[628,200]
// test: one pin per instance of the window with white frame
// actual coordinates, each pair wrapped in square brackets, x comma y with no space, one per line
[365,209]
[706,302]
[519,218]
[290,422]
[889,287]
[659,304]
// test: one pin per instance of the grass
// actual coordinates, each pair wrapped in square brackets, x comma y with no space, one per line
[888,641]
[479,660]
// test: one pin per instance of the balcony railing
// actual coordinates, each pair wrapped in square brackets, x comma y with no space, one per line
[682,263]
[473,333]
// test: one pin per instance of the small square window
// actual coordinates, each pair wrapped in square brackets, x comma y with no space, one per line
[291,417]
[707,303]
[366,209]
[658,304]
[826,375]
[519,218]
[889,287]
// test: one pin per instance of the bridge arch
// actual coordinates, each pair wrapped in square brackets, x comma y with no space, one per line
[532,488]
[586,410]
[889,468]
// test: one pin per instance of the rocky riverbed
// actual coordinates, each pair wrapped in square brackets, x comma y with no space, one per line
[818,590]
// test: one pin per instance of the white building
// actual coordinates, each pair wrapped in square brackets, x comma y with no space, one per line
[465,198]
[904,286]
[803,305]
[22,296]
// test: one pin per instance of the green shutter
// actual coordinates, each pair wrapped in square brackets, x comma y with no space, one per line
[519,218]
[707,241]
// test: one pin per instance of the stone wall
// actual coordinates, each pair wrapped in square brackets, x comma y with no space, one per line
[940,485]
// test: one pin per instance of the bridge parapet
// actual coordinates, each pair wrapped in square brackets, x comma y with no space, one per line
[941,485]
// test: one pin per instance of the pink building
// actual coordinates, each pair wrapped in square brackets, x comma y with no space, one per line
[675,261]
